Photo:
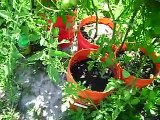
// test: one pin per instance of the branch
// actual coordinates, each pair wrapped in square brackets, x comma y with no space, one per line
[95,10]
[110,10]
[113,17]
[129,27]
[54,4]
[47,7]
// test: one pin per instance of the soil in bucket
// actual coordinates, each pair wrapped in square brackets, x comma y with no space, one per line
[92,79]
[89,30]
[137,64]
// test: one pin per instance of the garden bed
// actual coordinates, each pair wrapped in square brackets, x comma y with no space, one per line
[58,60]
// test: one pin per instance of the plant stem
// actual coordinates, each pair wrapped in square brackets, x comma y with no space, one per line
[123,12]
[117,19]
[32,6]
[110,10]
[95,10]
[113,17]
[91,101]
[47,8]
[54,4]
[114,31]
[129,28]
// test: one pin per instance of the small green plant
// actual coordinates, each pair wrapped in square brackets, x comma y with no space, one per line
[104,57]
[137,64]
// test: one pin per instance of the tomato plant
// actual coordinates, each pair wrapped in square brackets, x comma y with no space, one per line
[27,37]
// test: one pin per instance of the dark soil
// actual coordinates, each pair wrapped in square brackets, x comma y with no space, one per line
[36,47]
[88,31]
[137,63]
[90,79]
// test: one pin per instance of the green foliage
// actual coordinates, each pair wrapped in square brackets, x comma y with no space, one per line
[133,19]
[102,57]
[134,22]
[124,104]
[21,18]
[8,59]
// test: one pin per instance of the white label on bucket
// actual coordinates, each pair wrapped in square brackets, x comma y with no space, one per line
[80,105]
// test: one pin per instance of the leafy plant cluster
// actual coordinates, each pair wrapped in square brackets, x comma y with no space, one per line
[124,104]
[134,22]
[131,26]
[137,64]
[19,19]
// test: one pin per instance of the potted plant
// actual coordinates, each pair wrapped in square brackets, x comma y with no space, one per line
[89,73]
[115,104]
[66,29]
[137,67]
[88,33]
[138,64]
[64,21]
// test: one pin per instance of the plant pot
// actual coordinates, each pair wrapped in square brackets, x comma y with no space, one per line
[83,43]
[138,82]
[94,96]
[66,30]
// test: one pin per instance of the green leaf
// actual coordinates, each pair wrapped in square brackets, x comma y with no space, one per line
[135,101]
[158,101]
[15,53]
[149,105]
[53,73]
[25,29]
[152,112]
[4,14]
[43,42]
[109,62]
[71,89]
[14,4]
[54,19]
[90,32]
[55,31]
[6,70]
[127,59]
[137,4]
[99,117]
[156,29]
[152,95]
[95,2]
[64,19]
[4,51]
[90,65]
[149,49]
[127,95]
[36,56]
[34,37]
[116,2]
[55,53]
[111,85]
[145,92]
[1,21]
[40,22]
[125,74]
